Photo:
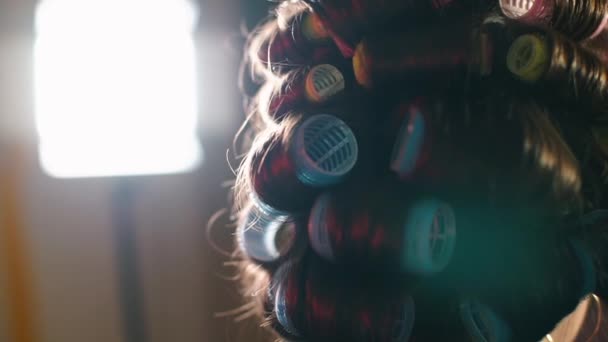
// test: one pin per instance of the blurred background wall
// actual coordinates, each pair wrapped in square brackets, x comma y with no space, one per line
[60,267]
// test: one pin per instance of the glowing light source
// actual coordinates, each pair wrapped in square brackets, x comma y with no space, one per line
[115,87]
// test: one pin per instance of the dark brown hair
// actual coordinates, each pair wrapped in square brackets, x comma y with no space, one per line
[518,166]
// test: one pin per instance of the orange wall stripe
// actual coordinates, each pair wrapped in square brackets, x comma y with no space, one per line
[14,252]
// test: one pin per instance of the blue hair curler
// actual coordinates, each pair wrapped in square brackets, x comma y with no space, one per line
[280,309]
[482,323]
[318,233]
[266,234]
[430,237]
[402,330]
[410,142]
[324,150]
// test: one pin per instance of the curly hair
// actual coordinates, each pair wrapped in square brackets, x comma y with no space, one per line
[422,170]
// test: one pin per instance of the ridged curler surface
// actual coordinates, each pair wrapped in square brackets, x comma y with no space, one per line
[321,84]
[325,150]
[312,154]
[483,323]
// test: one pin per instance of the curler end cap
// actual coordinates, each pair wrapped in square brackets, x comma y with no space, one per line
[325,150]
[284,239]
[318,233]
[527,11]
[269,243]
[528,57]
[266,234]
[482,323]
[405,323]
[409,144]
[322,82]
[430,237]
[361,66]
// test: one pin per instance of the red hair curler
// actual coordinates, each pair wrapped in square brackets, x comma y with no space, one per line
[305,40]
[319,152]
[347,21]
[312,303]
[416,237]
[319,85]
[421,155]
[426,59]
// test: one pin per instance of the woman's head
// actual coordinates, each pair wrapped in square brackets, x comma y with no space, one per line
[418,171]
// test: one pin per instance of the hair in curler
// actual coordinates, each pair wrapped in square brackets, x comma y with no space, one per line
[422,57]
[421,155]
[302,41]
[319,84]
[579,19]
[349,20]
[551,61]
[416,237]
[521,301]
[302,159]
[452,145]
[268,236]
[413,144]
[286,281]
[312,302]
